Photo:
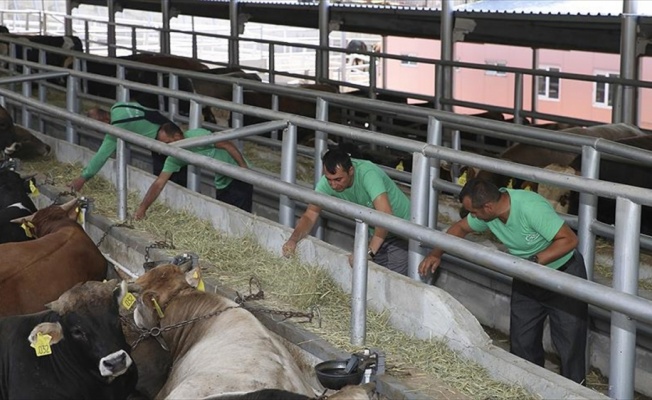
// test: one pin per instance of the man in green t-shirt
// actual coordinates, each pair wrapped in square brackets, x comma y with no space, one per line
[529,227]
[132,117]
[227,189]
[364,183]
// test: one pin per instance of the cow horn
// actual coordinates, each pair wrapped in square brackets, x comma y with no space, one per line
[69,204]
[27,177]
[21,220]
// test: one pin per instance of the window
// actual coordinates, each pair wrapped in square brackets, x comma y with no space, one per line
[603,91]
[489,72]
[548,86]
[409,62]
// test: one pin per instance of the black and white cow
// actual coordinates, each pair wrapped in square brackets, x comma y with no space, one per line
[75,350]
[14,203]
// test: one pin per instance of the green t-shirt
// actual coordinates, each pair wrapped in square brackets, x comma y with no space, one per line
[133,117]
[530,228]
[173,165]
[369,181]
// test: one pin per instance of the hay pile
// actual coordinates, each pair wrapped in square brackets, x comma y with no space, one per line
[292,285]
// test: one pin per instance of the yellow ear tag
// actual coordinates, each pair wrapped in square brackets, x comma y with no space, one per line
[42,345]
[200,283]
[128,301]
[33,189]
[80,216]
[462,179]
[509,184]
[158,308]
[400,166]
[27,227]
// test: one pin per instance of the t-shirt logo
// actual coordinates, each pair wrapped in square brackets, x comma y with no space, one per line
[531,237]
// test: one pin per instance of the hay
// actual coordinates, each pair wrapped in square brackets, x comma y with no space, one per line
[292,285]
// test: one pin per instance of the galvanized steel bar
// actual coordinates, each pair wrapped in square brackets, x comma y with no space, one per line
[419,208]
[434,137]
[110,28]
[588,210]
[234,43]
[194,173]
[321,147]
[122,93]
[230,134]
[518,98]
[121,183]
[359,284]
[165,31]
[31,78]
[623,328]
[134,41]
[321,68]
[173,102]
[87,36]
[629,61]
[72,103]
[447,42]
[288,174]
[67,24]
[237,118]
[26,86]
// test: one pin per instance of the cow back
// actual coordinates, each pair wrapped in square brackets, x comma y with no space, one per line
[38,271]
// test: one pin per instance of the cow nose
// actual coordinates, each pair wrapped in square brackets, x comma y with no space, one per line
[115,364]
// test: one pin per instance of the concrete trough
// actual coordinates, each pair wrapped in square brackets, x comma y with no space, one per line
[417,309]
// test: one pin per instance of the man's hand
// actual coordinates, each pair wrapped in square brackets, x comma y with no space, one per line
[140,214]
[429,264]
[289,248]
[77,184]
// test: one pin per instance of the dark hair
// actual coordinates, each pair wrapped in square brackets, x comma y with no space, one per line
[480,192]
[336,157]
[98,114]
[170,129]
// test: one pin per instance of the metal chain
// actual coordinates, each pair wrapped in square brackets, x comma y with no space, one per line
[160,244]
[114,225]
[61,194]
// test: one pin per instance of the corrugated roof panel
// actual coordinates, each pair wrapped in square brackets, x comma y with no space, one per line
[555,7]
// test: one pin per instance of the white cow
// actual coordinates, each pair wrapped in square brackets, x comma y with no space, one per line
[225,352]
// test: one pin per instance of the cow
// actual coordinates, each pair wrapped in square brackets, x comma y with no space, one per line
[351,392]
[37,271]
[559,198]
[225,351]
[73,43]
[628,173]
[73,350]
[18,142]
[14,203]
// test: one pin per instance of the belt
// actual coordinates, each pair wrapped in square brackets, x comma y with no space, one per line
[565,266]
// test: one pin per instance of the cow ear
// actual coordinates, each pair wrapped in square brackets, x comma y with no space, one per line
[53,329]
[120,290]
[193,277]
[145,315]
[70,205]
[134,287]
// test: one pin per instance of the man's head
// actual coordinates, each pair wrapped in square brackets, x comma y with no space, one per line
[169,132]
[338,169]
[480,198]
[99,114]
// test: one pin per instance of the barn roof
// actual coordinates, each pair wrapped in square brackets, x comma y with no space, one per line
[553,24]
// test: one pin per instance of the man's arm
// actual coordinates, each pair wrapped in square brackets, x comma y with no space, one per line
[381,203]
[105,151]
[429,264]
[304,226]
[233,152]
[564,241]
[152,194]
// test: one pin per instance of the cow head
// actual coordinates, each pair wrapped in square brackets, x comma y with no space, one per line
[88,324]
[157,287]
[14,189]
[50,219]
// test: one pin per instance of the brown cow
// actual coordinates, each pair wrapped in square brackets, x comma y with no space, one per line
[35,272]
[222,350]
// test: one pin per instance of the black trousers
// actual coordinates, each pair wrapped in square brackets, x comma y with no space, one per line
[180,177]
[238,193]
[393,255]
[530,305]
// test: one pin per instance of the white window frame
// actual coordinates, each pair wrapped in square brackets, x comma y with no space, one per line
[409,63]
[607,89]
[498,63]
[546,96]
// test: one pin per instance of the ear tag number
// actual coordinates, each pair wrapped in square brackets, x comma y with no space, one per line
[42,345]
[128,301]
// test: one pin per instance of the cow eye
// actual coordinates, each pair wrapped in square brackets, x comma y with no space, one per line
[77,333]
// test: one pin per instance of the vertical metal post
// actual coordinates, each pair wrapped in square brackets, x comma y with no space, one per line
[419,208]
[67,25]
[87,38]
[535,89]
[42,91]
[623,328]
[588,210]
[518,97]
[26,90]
[446,34]
[110,28]
[343,58]
[122,93]
[237,119]
[165,32]
[359,284]
[173,102]
[434,137]
[194,42]
[271,78]
[629,61]
[194,173]
[134,41]
[121,162]
[321,146]
[234,43]
[72,102]
[321,69]
[288,174]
